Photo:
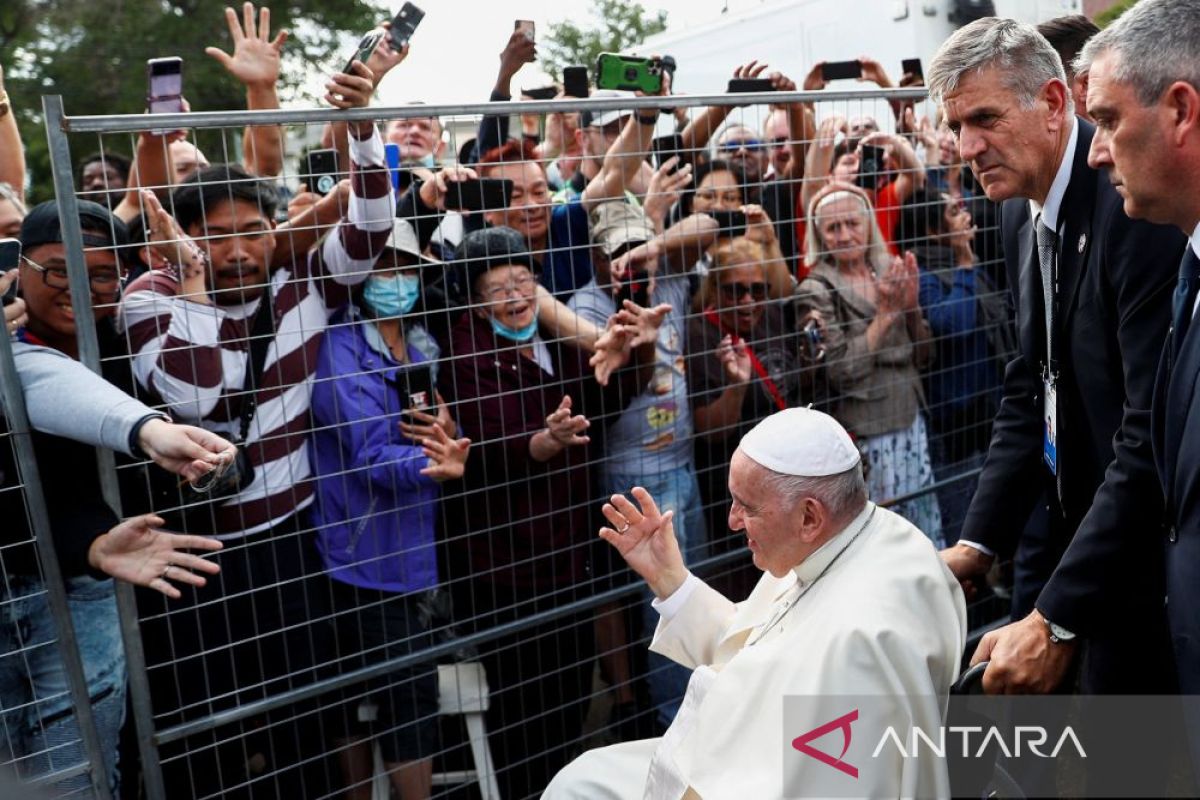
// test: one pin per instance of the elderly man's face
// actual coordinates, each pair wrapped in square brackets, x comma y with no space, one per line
[417,137]
[1133,143]
[1011,149]
[775,536]
[743,147]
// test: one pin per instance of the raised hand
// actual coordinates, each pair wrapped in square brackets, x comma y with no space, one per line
[256,58]
[644,322]
[565,428]
[645,538]
[138,552]
[735,360]
[386,56]
[518,52]
[350,90]
[815,79]
[874,72]
[666,185]
[169,241]
[447,457]
[759,227]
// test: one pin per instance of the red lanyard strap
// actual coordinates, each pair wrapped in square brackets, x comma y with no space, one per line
[763,375]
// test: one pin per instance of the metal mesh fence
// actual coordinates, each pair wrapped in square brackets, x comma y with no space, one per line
[398,606]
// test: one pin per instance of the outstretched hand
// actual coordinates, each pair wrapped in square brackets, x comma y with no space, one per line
[138,552]
[645,538]
[447,457]
[256,58]
[185,450]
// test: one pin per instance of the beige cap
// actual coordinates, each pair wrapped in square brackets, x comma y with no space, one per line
[619,223]
[801,441]
[404,238]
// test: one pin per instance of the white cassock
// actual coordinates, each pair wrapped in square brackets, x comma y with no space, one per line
[873,612]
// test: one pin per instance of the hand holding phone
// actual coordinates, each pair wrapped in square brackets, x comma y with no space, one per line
[730,224]
[738,85]
[629,73]
[10,259]
[366,46]
[481,194]
[164,78]
[664,147]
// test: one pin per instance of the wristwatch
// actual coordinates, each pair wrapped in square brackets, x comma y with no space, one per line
[1058,633]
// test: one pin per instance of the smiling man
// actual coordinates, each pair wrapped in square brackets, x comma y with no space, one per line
[1093,293]
[853,602]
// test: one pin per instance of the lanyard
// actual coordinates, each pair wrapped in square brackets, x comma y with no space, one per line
[768,384]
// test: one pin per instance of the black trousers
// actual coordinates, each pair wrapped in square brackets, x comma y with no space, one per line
[539,680]
[258,629]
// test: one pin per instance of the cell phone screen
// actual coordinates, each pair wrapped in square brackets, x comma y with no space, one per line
[666,146]
[841,70]
[750,85]
[525,26]
[164,94]
[416,389]
[730,223]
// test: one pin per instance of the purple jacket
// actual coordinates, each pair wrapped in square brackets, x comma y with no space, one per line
[374,511]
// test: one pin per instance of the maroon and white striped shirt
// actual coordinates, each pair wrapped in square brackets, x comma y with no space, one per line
[191,357]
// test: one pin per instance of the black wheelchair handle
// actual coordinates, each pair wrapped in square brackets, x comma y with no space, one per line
[971,681]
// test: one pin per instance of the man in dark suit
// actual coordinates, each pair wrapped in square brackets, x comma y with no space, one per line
[1144,91]
[1093,292]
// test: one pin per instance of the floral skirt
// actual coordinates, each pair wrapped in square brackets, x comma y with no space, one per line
[899,466]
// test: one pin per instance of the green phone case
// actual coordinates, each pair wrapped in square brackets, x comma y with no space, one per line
[615,71]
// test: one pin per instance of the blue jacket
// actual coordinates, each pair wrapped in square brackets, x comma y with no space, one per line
[374,510]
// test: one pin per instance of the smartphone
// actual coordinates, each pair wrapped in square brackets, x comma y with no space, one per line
[525,26]
[164,79]
[730,223]
[841,70]
[635,288]
[663,147]
[366,46]
[404,24]
[416,388]
[321,171]
[484,194]
[912,66]
[10,258]
[870,167]
[628,73]
[750,85]
[575,81]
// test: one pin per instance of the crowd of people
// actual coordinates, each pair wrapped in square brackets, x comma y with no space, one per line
[398,419]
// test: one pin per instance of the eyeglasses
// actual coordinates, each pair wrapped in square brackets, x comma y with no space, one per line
[749,145]
[521,285]
[103,284]
[736,290]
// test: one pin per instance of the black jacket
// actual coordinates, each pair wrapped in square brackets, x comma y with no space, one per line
[1176,429]
[1116,280]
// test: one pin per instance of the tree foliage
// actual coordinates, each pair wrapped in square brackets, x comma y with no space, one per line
[1109,15]
[94,55]
[620,24]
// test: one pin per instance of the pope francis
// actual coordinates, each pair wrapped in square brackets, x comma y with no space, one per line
[854,602]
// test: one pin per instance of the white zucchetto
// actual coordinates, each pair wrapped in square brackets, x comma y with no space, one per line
[801,441]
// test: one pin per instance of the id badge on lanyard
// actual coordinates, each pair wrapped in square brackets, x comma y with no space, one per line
[1050,423]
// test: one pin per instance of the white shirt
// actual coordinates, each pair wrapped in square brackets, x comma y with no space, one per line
[1058,189]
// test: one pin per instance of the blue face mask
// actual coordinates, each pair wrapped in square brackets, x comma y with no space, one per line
[514,334]
[427,162]
[392,296]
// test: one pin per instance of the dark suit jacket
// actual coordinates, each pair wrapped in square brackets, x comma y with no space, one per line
[1116,279]
[1176,428]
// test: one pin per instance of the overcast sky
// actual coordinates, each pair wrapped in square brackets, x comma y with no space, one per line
[455,51]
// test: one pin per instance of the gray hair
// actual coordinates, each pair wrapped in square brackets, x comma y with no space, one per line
[1025,59]
[7,192]
[843,494]
[1157,43]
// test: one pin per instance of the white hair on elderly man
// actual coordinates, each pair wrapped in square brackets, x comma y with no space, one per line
[1157,42]
[843,494]
[1024,57]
